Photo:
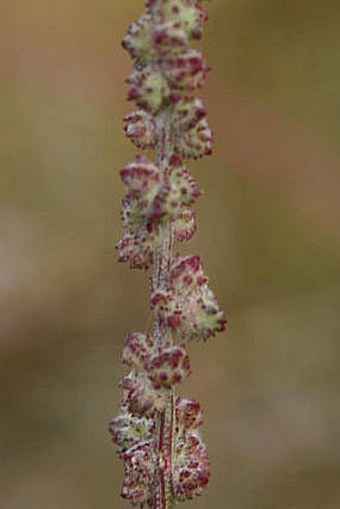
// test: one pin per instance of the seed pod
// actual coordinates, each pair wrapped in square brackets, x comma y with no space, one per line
[186,71]
[148,87]
[138,40]
[140,128]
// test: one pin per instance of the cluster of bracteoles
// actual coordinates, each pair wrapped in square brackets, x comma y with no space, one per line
[156,431]
[152,199]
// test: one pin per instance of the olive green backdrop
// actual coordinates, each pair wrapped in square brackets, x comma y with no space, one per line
[269,235]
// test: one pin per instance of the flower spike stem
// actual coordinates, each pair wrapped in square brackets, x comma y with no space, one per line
[156,431]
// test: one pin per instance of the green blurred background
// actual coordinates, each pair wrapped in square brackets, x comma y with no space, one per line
[269,234]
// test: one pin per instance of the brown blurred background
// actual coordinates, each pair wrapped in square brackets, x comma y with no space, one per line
[269,234]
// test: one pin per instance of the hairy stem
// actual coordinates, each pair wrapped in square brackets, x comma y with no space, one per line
[163,254]
[162,498]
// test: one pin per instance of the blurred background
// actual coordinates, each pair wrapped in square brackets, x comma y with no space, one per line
[269,235]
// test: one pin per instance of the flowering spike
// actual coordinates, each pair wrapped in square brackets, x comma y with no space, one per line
[157,432]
